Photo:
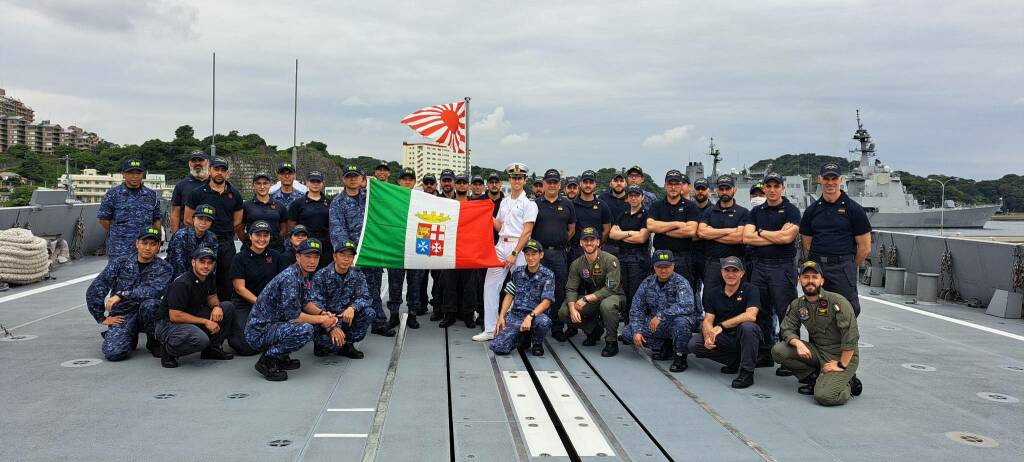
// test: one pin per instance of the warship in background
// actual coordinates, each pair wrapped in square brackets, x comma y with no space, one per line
[876,187]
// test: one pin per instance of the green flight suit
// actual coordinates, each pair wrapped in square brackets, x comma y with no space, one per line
[832,328]
[603,280]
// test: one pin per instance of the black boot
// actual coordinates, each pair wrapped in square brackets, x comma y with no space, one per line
[349,350]
[856,387]
[765,360]
[783,372]
[730,368]
[537,350]
[593,336]
[665,353]
[153,345]
[558,335]
[320,352]
[448,321]
[470,323]
[436,315]
[610,349]
[809,382]
[571,332]
[286,363]
[394,320]
[744,380]
[679,364]
[412,323]
[383,331]
[267,366]
[166,359]
[217,353]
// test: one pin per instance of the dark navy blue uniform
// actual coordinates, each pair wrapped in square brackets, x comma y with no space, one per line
[315,215]
[270,327]
[699,251]
[257,270]
[774,266]
[833,227]
[271,212]
[634,259]
[527,290]
[225,205]
[335,292]
[128,211]
[140,287]
[189,294]
[718,217]
[552,231]
[616,207]
[181,246]
[738,344]
[672,301]
[412,279]
[682,211]
[594,214]
[179,197]
[346,224]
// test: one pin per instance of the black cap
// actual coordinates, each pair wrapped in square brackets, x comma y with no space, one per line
[700,183]
[407,172]
[309,246]
[676,175]
[635,168]
[315,175]
[830,169]
[300,229]
[149,232]
[571,180]
[552,175]
[205,210]
[351,169]
[198,155]
[773,176]
[590,232]
[259,226]
[726,180]
[447,174]
[663,258]
[218,162]
[537,181]
[588,175]
[757,187]
[203,252]
[259,175]
[462,177]
[634,189]
[132,164]
[477,179]
[429,178]
[285,167]
[810,265]
[493,177]
[532,244]
[732,262]
[382,165]
[346,246]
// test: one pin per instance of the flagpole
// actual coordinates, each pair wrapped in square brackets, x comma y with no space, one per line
[469,169]
[213,116]
[295,119]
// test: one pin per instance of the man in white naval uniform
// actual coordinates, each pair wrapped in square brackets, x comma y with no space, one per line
[514,223]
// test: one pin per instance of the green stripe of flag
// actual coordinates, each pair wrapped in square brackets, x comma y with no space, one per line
[387,211]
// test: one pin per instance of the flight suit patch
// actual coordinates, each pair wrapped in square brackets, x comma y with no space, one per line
[822,306]
[804,314]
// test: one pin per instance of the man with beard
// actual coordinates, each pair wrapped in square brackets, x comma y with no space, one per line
[382,172]
[289,190]
[190,238]
[127,208]
[448,183]
[198,173]
[556,224]
[836,233]
[593,293]
[476,187]
[396,276]
[615,199]
[538,189]
[591,212]
[313,211]
[673,221]
[827,362]
[572,187]
[702,199]
[460,286]
[340,290]
[722,226]
[227,203]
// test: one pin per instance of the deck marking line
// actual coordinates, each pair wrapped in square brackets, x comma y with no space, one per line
[47,316]
[377,427]
[339,435]
[353,409]
[48,288]
[504,394]
[946,318]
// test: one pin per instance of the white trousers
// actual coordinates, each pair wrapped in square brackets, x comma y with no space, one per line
[492,283]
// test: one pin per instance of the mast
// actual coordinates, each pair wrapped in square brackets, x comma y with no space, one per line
[469,170]
[67,176]
[716,155]
[867,147]
[213,115]
[295,119]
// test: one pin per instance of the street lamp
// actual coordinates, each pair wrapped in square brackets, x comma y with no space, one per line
[942,202]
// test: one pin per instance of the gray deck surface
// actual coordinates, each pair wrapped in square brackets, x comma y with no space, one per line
[444,389]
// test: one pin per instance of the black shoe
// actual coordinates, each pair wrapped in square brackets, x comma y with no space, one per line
[320,352]
[134,342]
[215,352]
[593,336]
[679,364]
[744,380]
[166,359]
[153,345]
[665,353]
[806,389]
[394,320]
[765,360]
[448,321]
[436,315]
[470,323]
[267,366]
[730,368]
[558,335]
[421,311]
[383,331]
[537,350]
[571,332]
[610,349]
[811,378]
[856,387]
[783,372]
[412,323]
[286,363]
[349,351]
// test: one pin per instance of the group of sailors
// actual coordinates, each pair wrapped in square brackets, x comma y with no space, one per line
[676,276]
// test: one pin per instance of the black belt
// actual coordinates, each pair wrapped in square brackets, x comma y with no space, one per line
[775,260]
[831,258]
[632,250]
[554,247]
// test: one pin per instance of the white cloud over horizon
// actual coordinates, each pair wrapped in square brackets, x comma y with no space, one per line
[668,137]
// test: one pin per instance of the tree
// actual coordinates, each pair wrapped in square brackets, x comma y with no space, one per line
[39,169]
[19,151]
[319,146]
[184,133]
[21,195]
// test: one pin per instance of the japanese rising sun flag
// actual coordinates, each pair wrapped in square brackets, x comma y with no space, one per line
[444,123]
[406,228]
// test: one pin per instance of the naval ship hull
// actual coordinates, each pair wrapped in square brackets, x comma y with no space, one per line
[963,217]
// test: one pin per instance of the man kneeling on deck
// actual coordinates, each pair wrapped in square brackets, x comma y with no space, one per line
[593,293]
[341,290]
[663,315]
[827,363]
[193,318]
[136,282]
[281,321]
[528,295]
[730,334]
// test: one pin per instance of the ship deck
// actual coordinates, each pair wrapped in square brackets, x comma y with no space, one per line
[434,395]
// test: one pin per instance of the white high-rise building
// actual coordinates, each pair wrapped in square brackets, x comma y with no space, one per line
[430,158]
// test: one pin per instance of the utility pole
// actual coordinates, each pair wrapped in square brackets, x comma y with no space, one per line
[942,203]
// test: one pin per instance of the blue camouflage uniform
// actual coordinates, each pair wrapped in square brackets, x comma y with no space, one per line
[128,210]
[346,222]
[529,289]
[140,301]
[673,303]
[335,292]
[270,327]
[183,243]
[285,199]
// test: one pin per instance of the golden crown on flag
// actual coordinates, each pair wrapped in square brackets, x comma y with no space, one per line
[433,217]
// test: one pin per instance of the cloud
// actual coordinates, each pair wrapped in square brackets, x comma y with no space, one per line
[492,123]
[354,101]
[668,137]
[369,123]
[1019,100]
[155,16]
[515,138]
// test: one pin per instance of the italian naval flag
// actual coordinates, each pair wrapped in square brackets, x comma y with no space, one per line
[405,228]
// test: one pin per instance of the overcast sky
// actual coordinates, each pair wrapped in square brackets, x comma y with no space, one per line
[553,84]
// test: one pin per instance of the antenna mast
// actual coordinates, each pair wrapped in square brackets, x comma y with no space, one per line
[213,116]
[295,119]
[716,155]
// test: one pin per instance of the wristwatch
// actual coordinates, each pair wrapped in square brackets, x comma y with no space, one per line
[514,253]
[533,315]
[106,314]
[841,366]
[759,231]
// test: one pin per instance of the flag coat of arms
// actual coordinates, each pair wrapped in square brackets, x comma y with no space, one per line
[405,228]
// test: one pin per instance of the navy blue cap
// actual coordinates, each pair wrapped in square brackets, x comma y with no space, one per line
[259,226]
[218,162]
[590,232]
[407,172]
[635,168]
[462,177]
[532,244]
[346,246]
[382,165]
[132,164]
[285,167]
[552,175]
[494,177]
[351,169]
[588,175]
[149,233]
[477,179]
[447,174]
[538,180]
[757,187]
[205,210]
[569,180]
[634,189]
[701,183]
[429,178]
[203,252]
[315,175]
[663,258]
[300,229]
[732,262]
[309,246]
[259,175]
[776,177]
[676,175]
[619,175]
[198,155]
[810,265]
[726,180]
[830,169]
